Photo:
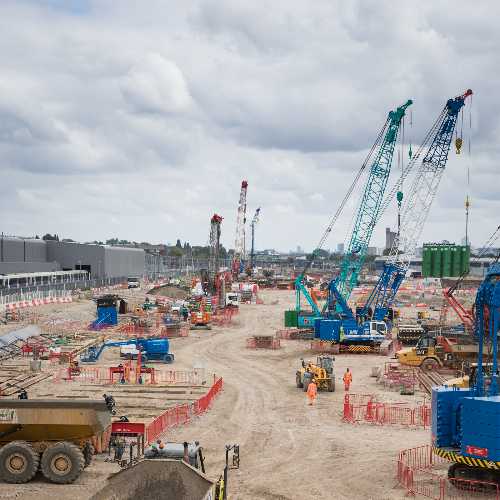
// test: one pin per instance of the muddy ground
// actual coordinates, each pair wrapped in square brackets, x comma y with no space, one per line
[289,450]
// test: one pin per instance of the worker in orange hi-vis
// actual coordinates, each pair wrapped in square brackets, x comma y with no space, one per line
[311,391]
[347,379]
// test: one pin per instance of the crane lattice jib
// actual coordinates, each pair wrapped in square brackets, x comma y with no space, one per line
[425,185]
[240,229]
[251,263]
[213,262]
[369,206]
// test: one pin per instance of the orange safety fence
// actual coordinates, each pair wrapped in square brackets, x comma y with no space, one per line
[182,414]
[366,408]
[416,473]
[263,344]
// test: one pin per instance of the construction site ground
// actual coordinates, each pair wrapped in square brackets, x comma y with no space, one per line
[288,449]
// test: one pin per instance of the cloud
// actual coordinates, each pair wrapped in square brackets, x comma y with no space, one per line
[156,85]
[112,111]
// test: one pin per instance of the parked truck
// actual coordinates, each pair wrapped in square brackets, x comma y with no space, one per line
[51,435]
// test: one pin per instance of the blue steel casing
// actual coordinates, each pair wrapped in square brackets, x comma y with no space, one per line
[442,414]
[481,427]
[317,326]
[105,311]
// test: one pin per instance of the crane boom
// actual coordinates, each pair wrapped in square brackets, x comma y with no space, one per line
[369,206]
[425,185]
[240,230]
[417,207]
[213,262]
[251,263]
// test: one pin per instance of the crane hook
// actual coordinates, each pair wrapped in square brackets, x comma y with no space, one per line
[458,144]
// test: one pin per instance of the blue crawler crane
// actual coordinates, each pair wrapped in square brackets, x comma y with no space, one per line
[465,423]
[151,349]
[344,328]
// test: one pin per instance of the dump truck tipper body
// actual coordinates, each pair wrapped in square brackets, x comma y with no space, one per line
[50,434]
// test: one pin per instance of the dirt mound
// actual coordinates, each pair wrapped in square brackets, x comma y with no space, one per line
[172,291]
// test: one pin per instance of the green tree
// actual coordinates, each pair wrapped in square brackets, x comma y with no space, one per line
[387,251]
[323,253]
[222,252]
[175,252]
[49,237]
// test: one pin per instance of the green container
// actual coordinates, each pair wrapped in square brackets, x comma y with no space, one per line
[437,260]
[456,256]
[464,259]
[446,255]
[427,262]
[291,318]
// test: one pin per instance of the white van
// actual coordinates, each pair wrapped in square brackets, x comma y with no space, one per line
[134,282]
[231,299]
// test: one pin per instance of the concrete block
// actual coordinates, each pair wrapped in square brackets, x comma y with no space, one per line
[35,365]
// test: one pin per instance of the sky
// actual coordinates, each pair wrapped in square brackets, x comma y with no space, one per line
[140,120]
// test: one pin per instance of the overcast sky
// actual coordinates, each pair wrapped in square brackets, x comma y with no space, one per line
[140,120]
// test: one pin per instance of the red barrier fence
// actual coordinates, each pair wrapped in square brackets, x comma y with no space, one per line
[263,344]
[416,474]
[128,372]
[181,414]
[366,408]
[288,334]
[396,375]
[324,348]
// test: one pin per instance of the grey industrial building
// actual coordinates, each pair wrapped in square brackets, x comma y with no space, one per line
[18,255]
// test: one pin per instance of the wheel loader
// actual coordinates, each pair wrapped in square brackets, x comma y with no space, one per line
[321,371]
[52,435]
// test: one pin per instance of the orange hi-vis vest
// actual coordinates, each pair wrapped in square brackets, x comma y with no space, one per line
[347,377]
[312,389]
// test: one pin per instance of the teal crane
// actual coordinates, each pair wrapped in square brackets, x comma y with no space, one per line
[367,215]
[369,206]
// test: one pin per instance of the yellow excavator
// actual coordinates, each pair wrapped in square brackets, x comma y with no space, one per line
[321,371]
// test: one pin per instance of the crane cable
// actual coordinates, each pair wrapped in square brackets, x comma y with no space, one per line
[375,146]
[468,175]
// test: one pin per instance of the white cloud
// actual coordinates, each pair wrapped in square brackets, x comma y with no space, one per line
[156,85]
[112,111]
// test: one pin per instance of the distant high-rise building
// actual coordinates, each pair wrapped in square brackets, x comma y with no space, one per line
[389,237]
[340,248]
[328,250]
[298,249]
[446,242]
[371,251]
[464,240]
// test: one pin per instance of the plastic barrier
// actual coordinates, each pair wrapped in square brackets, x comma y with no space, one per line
[181,415]
[415,475]
[31,303]
[366,408]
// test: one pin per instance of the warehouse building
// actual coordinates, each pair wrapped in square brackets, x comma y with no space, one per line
[18,255]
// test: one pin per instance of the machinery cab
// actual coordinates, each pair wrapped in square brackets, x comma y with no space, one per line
[326,363]
[176,451]
[378,329]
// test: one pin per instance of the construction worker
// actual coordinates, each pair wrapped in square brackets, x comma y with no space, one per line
[347,379]
[311,391]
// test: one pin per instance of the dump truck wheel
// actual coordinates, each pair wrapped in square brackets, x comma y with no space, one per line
[19,462]
[62,463]
[129,357]
[331,385]
[88,453]
[298,381]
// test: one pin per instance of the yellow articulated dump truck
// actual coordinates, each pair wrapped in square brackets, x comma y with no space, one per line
[51,435]
[431,352]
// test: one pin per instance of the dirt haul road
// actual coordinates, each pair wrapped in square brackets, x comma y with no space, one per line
[288,449]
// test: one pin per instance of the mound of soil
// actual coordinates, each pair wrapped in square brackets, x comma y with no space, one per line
[172,291]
